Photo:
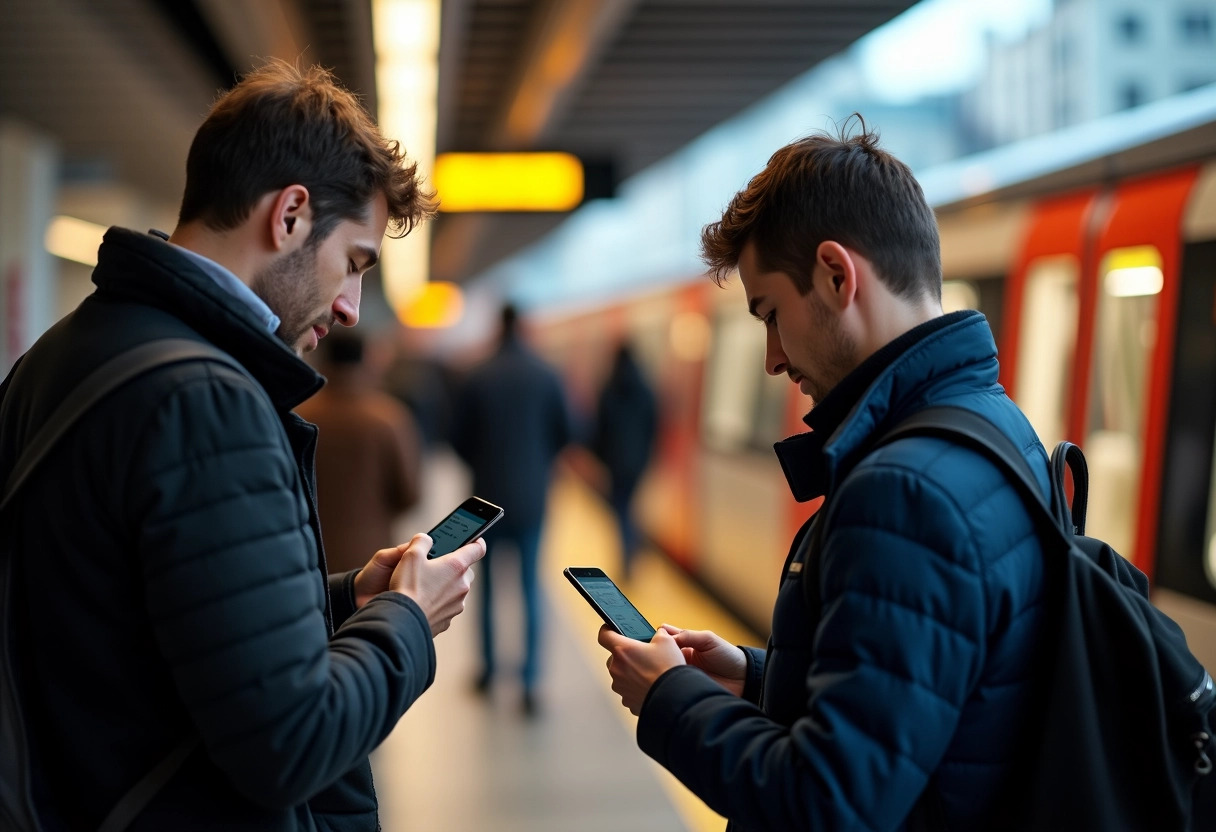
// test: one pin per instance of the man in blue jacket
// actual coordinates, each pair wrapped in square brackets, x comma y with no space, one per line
[171,592]
[895,688]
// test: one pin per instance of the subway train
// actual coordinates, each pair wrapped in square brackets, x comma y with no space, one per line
[1093,256]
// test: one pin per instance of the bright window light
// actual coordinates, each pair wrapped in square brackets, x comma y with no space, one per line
[1133,272]
[74,239]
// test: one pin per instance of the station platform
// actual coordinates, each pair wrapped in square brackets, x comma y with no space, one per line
[460,761]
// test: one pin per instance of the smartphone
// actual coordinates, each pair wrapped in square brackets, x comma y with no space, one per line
[612,605]
[468,522]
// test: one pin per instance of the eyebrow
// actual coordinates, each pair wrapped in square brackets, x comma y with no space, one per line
[754,304]
[372,258]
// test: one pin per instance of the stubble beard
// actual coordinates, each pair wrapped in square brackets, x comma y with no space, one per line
[837,353]
[291,288]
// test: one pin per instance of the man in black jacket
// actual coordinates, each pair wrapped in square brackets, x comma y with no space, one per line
[170,587]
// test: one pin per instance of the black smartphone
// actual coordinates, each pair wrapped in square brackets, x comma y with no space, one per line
[608,600]
[468,522]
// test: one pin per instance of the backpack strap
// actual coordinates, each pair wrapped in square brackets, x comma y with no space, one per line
[96,386]
[965,427]
[100,383]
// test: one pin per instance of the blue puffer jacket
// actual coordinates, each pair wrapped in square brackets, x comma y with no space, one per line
[900,702]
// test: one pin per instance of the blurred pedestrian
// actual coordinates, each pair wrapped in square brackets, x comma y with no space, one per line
[369,454]
[510,421]
[625,423]
[180,649]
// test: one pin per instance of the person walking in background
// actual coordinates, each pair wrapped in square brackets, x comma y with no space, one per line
[368,454]
[179,639]
[625,423]
[510,422]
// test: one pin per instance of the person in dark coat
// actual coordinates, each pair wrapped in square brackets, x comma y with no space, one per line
[171,590]
[511,420]
[369,454]
[895,688]
[625,423]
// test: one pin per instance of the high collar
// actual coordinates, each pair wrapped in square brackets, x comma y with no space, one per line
[145,269]
[949,354]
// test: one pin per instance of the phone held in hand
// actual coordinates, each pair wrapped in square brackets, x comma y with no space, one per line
[608,600]
[465,524]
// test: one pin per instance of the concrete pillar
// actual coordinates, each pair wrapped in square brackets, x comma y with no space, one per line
[28,173]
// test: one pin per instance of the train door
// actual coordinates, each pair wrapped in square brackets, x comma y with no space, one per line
[1039,341]
[1129,305]
[1186,537]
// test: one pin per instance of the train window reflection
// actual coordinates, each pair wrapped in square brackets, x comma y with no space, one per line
[959,294]
[735,369]
[1125,335]
[1209,562]
[1047,340]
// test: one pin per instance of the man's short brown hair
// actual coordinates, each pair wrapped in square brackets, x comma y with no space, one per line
[845,189]
[284,126]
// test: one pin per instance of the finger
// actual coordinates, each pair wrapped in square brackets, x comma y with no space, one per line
[696,639]
[671,628]
[610,639]
[470,553]
[418,545]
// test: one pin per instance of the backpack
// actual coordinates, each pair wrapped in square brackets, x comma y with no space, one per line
[1127,711]
[16,799]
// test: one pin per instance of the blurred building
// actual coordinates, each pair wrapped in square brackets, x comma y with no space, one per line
[1091,59]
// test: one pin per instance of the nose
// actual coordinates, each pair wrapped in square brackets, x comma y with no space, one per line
[775,361]
[346,304]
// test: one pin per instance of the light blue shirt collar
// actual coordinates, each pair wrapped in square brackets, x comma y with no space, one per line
[235,286]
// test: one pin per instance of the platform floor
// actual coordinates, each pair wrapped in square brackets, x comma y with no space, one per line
[462,762]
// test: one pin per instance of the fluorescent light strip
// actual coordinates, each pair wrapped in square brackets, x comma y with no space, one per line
[74,239]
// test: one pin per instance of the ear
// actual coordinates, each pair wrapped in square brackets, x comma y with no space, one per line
[835,274]
[290,218]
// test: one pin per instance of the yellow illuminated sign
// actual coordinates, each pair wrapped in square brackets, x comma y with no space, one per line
[436,305]
[508,181]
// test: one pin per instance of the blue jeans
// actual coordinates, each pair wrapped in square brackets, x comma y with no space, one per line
[527,542]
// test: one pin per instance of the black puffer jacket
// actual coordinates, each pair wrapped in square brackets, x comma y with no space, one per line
[170,578]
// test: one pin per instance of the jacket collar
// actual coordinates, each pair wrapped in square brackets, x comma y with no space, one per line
[145,269]
[951,353]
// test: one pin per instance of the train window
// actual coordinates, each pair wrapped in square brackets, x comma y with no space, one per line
[1047,340]
[736,363]
[959,294]
[1209,561]
[1125,334]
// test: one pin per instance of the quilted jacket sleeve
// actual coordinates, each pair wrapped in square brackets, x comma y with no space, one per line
[237,601]
[899,647]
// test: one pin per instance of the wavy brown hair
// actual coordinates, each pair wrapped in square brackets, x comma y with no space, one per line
[282,125]
[841,188]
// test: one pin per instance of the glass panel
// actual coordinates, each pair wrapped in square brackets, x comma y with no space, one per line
[1047,341]
[736,364]
[1125,335]
[959,294]
[1209,561]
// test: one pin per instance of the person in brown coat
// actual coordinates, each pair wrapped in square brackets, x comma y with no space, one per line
[368,455]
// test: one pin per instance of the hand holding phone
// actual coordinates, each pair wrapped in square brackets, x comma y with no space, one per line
[608,600]
[465,524]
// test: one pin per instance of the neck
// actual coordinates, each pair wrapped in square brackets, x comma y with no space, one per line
[228,248]
[889,318]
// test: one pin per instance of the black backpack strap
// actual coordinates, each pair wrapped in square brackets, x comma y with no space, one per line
[965,427]
[100,383]
[133,802]
[97,385]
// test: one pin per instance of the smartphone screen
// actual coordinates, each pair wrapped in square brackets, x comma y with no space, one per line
[464,525]
[610,602]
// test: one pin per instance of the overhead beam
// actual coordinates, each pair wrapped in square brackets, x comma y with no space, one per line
[251,32]
[565,40]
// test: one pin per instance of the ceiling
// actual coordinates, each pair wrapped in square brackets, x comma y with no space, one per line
[122,85]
